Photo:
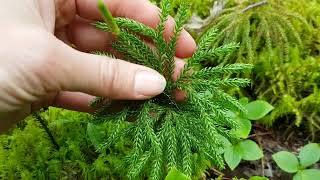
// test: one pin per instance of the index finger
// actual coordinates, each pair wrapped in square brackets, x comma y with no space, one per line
[142,11]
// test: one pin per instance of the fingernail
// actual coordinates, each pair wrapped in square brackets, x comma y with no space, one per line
[149,84]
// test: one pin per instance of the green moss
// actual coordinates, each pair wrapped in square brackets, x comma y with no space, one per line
[200,7]
[282,39]
[292,86]
[27,153]
[259,27]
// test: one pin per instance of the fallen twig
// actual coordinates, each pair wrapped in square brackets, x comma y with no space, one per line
[254,6]
[261,134]
[262,159]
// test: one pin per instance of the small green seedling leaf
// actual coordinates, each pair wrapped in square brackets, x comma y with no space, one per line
[174,174]
[233,156]
[251,150]
[308,174]
[244,101]
[286,161]
[258,109]
[231,114]
[258,178]
[309,154]
[244,128]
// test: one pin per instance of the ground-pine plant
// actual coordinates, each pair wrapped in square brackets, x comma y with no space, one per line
[166,134]
[282,37]
[309,155]
[293,88]
[259,25]
[310,10]
[200,7]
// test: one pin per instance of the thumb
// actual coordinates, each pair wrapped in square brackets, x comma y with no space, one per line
[107,77]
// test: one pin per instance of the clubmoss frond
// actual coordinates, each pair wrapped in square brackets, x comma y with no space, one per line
[107,17]
[128,24]
[277,23]
[206,41]
[166,134]
[140,53]
[169,138]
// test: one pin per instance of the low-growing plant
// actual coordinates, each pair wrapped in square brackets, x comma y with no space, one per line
[251,178]
[200,7]
[255,111]
[262,25]
[292,87]
[166,134]
[174,174]
[290,163]
[246,149]
[28,153]
[310,10]
[283,39]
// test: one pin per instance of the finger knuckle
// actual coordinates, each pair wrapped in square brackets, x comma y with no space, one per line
[109,75]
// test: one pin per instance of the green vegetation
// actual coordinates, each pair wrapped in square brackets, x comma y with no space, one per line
[308,156]
[168,134]
[282,40]
[200,7]
[261,26]
[192,139]
[245,149]
[28,153]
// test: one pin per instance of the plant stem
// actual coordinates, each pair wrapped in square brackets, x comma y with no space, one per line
[108,18]
[45,127]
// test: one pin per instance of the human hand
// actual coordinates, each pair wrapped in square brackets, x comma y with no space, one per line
[39,69]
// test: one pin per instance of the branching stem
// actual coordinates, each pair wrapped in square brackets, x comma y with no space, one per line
[45,127]
[108,18]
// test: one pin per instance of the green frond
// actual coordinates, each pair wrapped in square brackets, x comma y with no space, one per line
[213,53]
[139,165]
[282,38]
[226,69]
[247,40]
[108,18]
[128,25]
[165,134]
[289,29]
[227,101]
[185,151]
[254,30]
[159,41]
[260,32]
[114,137]
[169,137]
[102,53]
[205,42]
[98,101]
[140,53]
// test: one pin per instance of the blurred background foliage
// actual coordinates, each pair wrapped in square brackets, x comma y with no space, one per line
[281,38]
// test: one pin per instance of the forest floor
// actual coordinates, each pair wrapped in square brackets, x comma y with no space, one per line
[281,137]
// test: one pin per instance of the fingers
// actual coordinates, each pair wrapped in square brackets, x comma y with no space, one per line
[87,38]
[178,94]
[74,101]
[142,11]
[106,77]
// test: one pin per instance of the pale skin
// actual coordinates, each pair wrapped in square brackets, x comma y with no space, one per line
[39,68]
